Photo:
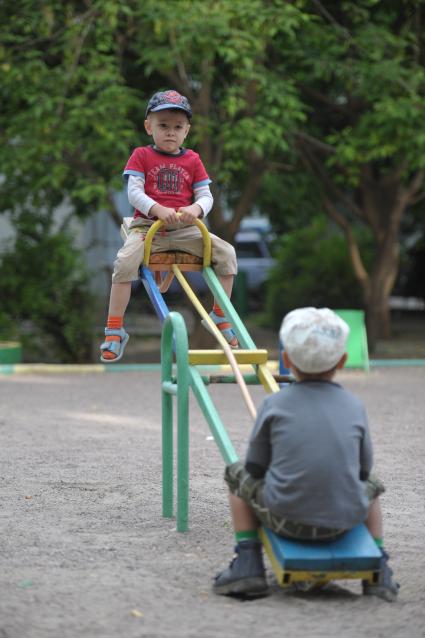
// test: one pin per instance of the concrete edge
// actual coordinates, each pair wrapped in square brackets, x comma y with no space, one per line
[59,368]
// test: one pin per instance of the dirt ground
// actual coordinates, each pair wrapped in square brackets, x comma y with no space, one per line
[84,551]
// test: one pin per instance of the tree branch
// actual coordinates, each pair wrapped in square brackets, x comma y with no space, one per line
[113,211]
[77,54]
[415,184]
[313,141]
[181,69]
[246,200]
[418,198]
[359,270]
[317,168]
[78,19]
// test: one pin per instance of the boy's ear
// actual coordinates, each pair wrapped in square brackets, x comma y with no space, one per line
[341,363]
[148,126]
[286,360]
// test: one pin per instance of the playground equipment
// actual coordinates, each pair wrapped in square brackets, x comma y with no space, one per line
[352,556]
[355,554]
[173,264]
[357,348]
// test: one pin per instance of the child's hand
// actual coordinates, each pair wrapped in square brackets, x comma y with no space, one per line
[168,215]
[188,214]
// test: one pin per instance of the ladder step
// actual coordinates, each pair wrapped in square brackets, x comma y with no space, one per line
[217,357]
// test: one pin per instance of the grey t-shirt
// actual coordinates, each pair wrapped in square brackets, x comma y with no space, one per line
[312,438]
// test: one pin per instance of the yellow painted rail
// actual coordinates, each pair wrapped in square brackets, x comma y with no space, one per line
[217,357]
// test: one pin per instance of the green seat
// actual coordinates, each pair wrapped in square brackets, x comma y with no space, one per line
[357,350]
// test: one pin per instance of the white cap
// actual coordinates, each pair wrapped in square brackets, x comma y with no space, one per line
[314,338]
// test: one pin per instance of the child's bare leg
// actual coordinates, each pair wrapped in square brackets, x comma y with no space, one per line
[374,521]
[119,298]
[227,283]
[118,302]
[243,517]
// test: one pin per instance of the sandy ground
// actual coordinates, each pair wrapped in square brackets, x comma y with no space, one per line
[85,552]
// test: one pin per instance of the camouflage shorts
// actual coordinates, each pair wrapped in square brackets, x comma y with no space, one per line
[250,490]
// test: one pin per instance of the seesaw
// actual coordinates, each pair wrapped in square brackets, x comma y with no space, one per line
[352,556]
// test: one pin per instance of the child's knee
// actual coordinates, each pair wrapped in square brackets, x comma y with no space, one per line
[129,258]
[224,258]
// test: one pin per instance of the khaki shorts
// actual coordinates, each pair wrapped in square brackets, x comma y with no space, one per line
[187,239]
[242,484]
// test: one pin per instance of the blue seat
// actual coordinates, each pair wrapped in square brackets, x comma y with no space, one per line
[353,555]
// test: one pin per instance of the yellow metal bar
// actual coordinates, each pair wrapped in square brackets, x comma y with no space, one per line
[276,565]
[267,379]
[227,351]
[48,368]
[293,576]
[217,357]
[206,257]
[148,240]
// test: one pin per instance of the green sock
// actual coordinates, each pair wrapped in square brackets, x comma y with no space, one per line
[248,535]
[379,542]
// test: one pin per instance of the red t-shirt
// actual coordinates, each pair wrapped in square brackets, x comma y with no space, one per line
[169,179]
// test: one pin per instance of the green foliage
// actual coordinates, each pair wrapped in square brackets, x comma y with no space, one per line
[312,269]
[45,298]
[289,199]
[228,57]
[362,73]
[339,85]
[64,115]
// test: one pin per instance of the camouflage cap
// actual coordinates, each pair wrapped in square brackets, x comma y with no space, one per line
[168,100]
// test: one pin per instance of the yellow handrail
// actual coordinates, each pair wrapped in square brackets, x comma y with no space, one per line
[206,258]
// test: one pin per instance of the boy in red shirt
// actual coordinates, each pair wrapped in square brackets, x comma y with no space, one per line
[165,179]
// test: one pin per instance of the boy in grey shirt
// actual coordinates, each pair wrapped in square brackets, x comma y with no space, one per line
[307,469]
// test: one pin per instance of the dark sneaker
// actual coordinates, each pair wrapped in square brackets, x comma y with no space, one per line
[386,587]
[246,575]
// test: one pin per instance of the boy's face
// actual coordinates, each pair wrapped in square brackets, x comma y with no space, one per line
[168,128]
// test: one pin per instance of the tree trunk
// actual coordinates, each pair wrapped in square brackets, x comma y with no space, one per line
[384,202]
[377,307]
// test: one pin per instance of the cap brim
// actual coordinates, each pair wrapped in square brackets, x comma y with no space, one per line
[167,107]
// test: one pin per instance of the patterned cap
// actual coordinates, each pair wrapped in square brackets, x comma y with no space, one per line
[168,100]
[314,338]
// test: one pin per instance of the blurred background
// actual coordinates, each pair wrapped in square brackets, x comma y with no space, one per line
[309,120]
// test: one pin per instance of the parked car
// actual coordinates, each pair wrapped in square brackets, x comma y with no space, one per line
[254,261]
[254,258]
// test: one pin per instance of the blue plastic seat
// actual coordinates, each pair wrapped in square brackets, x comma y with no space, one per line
[353,555]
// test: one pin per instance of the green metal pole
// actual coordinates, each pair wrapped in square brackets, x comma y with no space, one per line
[227,306]
[167,419]
[213,419]
[182,346]
[174,326]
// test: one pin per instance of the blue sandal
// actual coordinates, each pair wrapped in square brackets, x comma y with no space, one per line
[116,347]
[225,328]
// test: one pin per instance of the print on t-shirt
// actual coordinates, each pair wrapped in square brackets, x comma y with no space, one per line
[168,179]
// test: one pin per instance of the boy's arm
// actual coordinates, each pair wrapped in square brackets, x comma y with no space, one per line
[137,196]
[366,452]
[203,198]
[200,207]
[258,455]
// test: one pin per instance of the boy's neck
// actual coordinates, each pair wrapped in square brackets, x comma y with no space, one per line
[159,150]
[323,376]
